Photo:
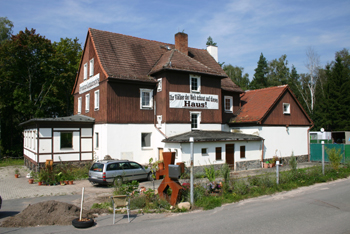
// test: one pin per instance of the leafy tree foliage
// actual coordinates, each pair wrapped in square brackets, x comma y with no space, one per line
[210,41]
[237,76]
[260,77]
[5,29]
[278,72]
[34,76]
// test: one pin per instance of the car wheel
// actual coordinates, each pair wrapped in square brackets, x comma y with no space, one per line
[150,176]
[118,181]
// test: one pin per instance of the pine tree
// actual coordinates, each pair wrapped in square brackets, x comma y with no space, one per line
[260,77]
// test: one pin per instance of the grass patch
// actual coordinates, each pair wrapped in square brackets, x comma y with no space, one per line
[4,162]
[266,184]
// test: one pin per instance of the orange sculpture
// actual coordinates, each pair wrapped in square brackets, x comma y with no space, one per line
[173,184]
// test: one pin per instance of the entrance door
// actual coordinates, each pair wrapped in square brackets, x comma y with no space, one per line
[230,155]
[160,154]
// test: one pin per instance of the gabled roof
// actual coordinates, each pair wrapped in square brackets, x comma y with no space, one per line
[127,57]
[256,104]
[211,136]
[175,60]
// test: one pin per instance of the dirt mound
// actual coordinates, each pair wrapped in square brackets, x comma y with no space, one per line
[48,213]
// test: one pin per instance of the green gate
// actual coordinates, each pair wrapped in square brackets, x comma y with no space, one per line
[316,152]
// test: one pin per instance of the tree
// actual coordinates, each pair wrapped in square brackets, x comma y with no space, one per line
[278,72]
[67,59]
[34,76]
[5,29]
[313,75]
[332,111]
[210,41]
[236,75]
[260,77]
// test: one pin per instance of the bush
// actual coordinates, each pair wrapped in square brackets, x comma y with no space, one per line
[225,172]
[126,188]
[293,162]
[335,157]
[240,187]
[210,173]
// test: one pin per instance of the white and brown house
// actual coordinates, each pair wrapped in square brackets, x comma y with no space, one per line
[141,97]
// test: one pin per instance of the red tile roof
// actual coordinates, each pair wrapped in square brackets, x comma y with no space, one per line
[132,58]
[257,103]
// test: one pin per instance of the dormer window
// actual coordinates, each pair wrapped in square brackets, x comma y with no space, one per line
[195,84]
[228,104]
[286,108]
[91,67]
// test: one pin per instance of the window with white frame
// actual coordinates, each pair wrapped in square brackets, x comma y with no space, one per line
[79,105]
[96,140]
[159,87]
[195,120]
[87,103]
[146,98]
[195,84]
[286,108]
[85,71]
[91,67]
[146,140]
[228,104]
[97,99]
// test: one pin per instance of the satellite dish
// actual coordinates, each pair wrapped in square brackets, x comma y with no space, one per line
[322,129]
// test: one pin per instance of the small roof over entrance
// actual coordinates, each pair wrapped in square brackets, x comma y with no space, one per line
[211,136]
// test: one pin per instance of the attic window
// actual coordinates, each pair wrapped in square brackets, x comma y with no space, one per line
[85,71]
[91,67]
[286,108]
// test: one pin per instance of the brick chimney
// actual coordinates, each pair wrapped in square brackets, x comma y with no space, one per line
[181,42]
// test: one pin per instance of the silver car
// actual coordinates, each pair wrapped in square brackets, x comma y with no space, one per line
[117,172]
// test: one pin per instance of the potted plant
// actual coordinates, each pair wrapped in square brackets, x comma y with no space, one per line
[266,164]
[160,164]
[31,177]
[17,173]
[274,160]
[42,176]
[70,179]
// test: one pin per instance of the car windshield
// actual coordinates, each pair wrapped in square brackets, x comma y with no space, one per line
[97,167]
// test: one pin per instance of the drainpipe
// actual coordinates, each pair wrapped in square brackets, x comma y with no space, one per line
[308,141]
[262,152]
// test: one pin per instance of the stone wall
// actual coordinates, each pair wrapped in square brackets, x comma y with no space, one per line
[36,167]
[248,165]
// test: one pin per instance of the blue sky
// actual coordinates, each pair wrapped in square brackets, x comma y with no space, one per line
[241,29]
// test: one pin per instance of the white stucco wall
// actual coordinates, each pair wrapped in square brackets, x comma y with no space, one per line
[123,141]
[253,152]
[280,141]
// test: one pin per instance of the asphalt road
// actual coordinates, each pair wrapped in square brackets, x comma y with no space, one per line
[321,208]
